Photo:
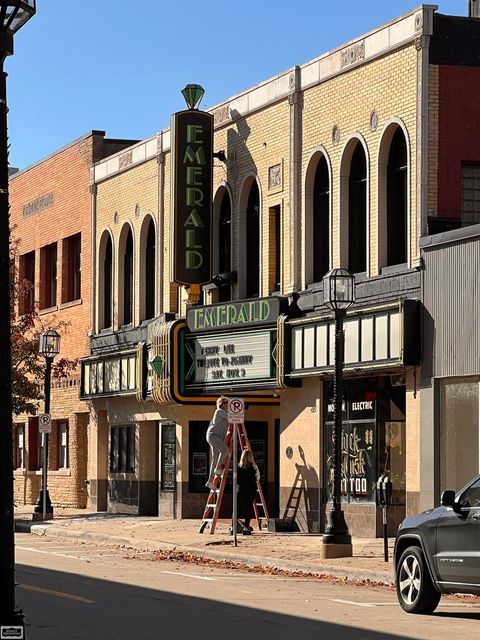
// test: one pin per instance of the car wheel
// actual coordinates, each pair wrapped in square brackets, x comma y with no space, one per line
[415,590]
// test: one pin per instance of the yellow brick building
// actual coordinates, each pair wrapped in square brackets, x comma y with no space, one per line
[332,163]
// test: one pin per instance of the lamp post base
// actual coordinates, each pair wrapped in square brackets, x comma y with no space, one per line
[38,509]
[336,542]
[335,550]
[336,531]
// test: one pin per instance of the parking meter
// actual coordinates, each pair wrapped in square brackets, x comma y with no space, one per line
[383,498]
[383,491]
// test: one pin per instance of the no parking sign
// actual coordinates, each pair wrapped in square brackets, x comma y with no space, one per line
[236,410]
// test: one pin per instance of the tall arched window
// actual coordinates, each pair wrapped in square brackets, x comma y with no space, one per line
[225,245]
[125,275]
[106,267]
[357,211]
[321,221]
[397,212]
[253,242]
[149,274]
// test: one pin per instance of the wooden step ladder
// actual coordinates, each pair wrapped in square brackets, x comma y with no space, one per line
[214,500]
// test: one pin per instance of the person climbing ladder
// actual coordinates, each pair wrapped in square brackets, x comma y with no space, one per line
[216,433]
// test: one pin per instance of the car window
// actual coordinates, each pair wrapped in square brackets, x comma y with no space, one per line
[471,496]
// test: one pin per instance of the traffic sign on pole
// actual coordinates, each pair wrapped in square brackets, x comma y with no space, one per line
[236,410]
[45,423]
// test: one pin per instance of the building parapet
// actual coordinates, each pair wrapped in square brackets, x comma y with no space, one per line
[378,42]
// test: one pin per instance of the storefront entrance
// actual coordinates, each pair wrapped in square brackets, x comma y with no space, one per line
[199,461]
[373,443]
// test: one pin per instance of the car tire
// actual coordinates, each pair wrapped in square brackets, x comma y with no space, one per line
[416,592]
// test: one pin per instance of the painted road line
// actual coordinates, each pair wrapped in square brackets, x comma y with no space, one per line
[188,575]
[357,604]
[51,553]
[58,594]
[395,604]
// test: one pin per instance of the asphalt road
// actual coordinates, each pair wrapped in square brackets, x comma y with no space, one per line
[82,592]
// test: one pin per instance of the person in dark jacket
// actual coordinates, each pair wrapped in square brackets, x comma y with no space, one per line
[247,477]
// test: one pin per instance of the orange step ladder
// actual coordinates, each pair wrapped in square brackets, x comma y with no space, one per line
[214,500]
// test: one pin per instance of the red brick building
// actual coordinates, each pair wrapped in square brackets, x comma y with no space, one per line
[50,211]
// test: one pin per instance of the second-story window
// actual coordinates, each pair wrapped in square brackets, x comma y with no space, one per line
[150,280]
[321,221]
[225,245]
[71,268]
[357,212]
[48,270]
[27,276]
[470,193]
[253,242]
[107,283]
[274,253]
[128,279]
[397,208]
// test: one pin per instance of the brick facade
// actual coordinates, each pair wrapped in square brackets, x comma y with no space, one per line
[49,202]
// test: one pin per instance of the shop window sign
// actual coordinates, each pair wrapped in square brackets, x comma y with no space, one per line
[358,460]
[359,445]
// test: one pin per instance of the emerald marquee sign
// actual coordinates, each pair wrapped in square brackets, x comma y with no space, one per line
[192,185]
[243,313]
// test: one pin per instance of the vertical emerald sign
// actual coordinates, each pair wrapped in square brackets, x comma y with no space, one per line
[192,182]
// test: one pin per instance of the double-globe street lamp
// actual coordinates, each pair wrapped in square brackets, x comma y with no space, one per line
[338,295]
[13,15]
[49,347]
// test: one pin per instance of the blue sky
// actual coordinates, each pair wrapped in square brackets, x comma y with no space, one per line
[119,65]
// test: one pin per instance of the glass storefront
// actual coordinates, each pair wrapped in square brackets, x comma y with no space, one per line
[373,438]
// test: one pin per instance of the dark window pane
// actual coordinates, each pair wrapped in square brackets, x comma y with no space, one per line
[357,212]
[149,283]
[321,221]
[225,245]
[253,242]
[397,200]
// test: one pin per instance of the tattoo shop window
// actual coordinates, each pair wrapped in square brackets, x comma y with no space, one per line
[122,449]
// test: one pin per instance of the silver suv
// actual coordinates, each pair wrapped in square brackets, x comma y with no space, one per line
[438,551]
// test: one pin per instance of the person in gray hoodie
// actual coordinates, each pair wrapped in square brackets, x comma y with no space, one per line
[216,433]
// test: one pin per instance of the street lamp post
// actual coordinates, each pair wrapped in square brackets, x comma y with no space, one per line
[49,347]
[338,295]
[13,15]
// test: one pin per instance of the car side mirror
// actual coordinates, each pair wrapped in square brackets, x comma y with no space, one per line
[448,499]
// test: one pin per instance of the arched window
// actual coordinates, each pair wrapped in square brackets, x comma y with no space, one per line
[225,244]
[125,275]
[397,212]
[106,267]
[357,211]
[149,279]
[253,242]
[321,221]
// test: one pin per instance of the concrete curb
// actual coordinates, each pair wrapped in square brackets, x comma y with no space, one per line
[380,577]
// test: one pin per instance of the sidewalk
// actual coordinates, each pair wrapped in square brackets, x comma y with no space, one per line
[287,551]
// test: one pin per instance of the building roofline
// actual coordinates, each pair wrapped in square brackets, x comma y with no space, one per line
[328,65]
[448,237]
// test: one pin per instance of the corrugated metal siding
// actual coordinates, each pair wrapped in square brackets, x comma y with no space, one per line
[451,295]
